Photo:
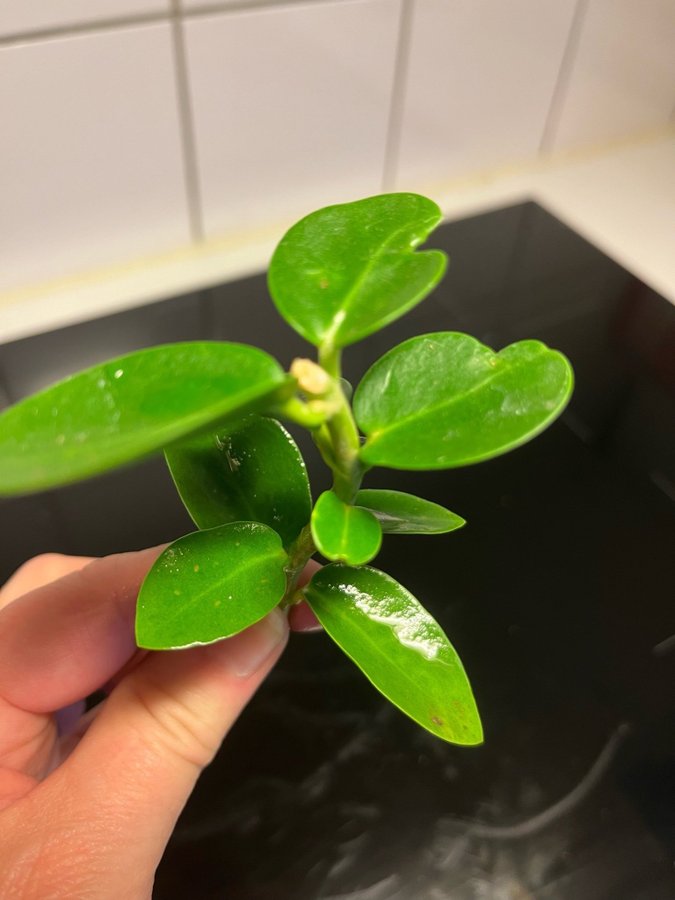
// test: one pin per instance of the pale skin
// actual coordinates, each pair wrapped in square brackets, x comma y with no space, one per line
[88,804]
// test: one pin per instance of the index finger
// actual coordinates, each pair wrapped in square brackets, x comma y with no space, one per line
[66,639]
[39,571]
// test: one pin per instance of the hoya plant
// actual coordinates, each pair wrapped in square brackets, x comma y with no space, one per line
[213,409]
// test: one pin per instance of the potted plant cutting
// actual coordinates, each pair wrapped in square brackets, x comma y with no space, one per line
[215,410]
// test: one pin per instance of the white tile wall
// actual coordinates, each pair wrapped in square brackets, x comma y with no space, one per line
[90,162]
[480,79]
[623,78]
[291,107]
[188,5]
[296,103]
[17,16]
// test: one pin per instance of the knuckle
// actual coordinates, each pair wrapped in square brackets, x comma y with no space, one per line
[40,570]
[46,559]
[172,725]
[43,564]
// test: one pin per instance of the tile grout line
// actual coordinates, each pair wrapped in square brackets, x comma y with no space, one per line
[208,9]
[63,31]
[398,91]
[34,35]
[186,126]
[563,80]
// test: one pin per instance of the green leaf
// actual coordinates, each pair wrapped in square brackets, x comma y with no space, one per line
[210,585]
[348,270]
[342,532]
[251,472]
[443,400]
[400,513]
[129,408]
[399,647]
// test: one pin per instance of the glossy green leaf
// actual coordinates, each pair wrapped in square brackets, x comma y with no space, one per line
[346,533]
[251,472]
[443,400]
[345,271]
[400,513]
[129,408]
[210,585]
[399,647]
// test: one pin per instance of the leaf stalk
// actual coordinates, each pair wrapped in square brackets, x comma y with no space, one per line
[342,431]
[299,554]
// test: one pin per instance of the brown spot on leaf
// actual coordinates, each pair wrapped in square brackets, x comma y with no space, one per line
[436,720]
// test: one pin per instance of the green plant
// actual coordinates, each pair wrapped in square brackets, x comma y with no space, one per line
[435,401]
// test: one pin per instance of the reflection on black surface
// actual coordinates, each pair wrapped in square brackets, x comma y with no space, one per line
[558,595]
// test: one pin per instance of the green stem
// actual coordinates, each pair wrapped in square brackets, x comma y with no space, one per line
[328,415]
[302,413]
[300,552]
[330,360]
[322,439]
[347,472]
[337,437]
[342,430]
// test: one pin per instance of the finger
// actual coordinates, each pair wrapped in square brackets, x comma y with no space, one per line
[300,616]
[40,571]
[139,760]
[66,639]
[310,569]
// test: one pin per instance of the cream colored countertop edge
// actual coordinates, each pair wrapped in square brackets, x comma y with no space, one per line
[621,199]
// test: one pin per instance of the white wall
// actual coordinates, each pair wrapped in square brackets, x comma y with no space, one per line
[137,127]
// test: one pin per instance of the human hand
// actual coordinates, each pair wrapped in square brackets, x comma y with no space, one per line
[86,809]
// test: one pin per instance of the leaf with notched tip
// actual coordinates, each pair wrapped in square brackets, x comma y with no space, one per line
[443,400]
[348,270]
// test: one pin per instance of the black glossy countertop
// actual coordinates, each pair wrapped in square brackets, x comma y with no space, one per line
[558,595]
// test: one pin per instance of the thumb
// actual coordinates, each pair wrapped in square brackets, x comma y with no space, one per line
[138,763]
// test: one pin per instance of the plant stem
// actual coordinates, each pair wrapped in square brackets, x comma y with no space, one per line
[328,415]
[342,430]
[300,552]
[330,360]
[347,472]
[302,413]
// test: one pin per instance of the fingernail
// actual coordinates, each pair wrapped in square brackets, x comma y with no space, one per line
[301,618]
[245,653]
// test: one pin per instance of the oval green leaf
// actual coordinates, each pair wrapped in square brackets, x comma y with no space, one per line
[345,533]
[400,513]
[129,408]
[210,585]
[251,472]
[348,270]
[400,648]
[443,400]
